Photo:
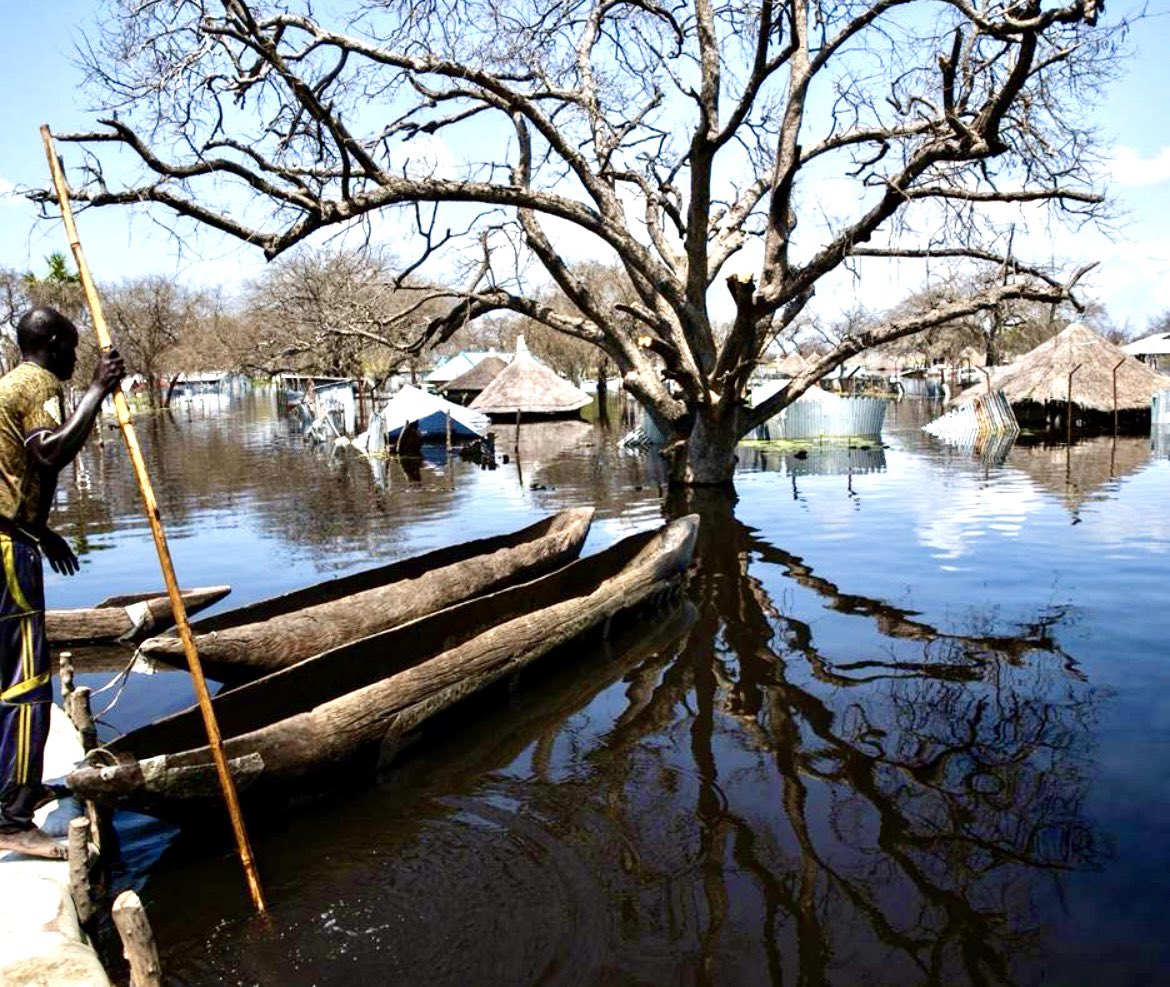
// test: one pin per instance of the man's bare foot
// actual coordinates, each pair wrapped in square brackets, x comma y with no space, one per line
[34,842]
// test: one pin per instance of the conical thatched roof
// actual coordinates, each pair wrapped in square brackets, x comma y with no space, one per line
[528,387]
[791,365]
[479,376]
[1042,374]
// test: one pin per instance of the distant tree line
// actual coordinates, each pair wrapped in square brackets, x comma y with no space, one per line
[349,312]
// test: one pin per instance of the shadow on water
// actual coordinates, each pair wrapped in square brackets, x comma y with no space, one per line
[717,797]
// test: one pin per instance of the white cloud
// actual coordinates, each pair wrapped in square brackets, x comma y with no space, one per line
[1127,167]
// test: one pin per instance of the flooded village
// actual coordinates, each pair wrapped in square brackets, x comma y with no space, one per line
[588,494]
[901,724]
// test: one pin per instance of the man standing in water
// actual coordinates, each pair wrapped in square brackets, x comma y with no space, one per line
[36,443]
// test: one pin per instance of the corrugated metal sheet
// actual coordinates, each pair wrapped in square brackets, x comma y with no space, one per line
[810,418]
[1160,408]
[984,414]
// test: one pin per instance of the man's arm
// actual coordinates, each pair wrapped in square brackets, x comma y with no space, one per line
[54,449]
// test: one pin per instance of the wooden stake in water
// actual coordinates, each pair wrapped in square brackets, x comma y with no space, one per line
[178,609]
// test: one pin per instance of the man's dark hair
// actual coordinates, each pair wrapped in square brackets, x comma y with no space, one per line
[38,328]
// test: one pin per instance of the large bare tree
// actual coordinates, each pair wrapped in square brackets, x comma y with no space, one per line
[777,141]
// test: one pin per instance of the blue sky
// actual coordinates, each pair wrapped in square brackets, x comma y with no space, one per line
[42,86]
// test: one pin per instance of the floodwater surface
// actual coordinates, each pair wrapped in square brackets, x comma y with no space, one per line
[908,724]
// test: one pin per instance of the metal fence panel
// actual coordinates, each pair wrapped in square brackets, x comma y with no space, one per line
[839,417]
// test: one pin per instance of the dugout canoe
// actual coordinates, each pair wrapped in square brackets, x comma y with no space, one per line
[128,617]
[303,729]
[254,640]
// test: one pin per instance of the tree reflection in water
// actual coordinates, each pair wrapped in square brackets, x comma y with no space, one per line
[896,821]
[721,795]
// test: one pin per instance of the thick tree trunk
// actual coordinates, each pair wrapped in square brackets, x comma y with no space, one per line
[707,456]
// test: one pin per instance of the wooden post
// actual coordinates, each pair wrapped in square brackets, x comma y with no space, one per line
[80,886]
[65,664]
[154,519]
[1068,410]
[82,716]
[447,415]
[1116,367]
[137,940]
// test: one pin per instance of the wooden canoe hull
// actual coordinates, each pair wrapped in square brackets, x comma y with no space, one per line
[293,731]
[262,638]
[125,618]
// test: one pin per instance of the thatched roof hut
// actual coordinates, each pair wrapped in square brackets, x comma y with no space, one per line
[791,365]
[1040,378]
[527,387]
[466,386]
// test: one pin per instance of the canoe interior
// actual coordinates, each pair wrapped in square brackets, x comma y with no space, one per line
[334,673]
[127,599]
[343,586]
[552,691]
[561,683]
[204,595]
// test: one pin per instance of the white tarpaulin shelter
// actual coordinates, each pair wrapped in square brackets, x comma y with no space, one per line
[411,404]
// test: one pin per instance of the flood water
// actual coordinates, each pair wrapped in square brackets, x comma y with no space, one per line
[909,724]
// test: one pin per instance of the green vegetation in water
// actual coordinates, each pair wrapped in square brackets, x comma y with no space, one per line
[827,441]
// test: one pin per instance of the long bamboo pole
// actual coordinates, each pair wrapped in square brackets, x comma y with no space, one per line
[178,608]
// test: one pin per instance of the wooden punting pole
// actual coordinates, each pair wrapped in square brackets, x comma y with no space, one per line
[122,408]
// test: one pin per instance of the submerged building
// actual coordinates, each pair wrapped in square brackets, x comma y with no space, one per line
[1081,370]
[529,389]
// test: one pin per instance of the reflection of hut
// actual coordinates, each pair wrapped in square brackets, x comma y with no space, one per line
[817,460]
[1037,384]
[466,387]
[1080,472]
[537,445]
[528,388]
